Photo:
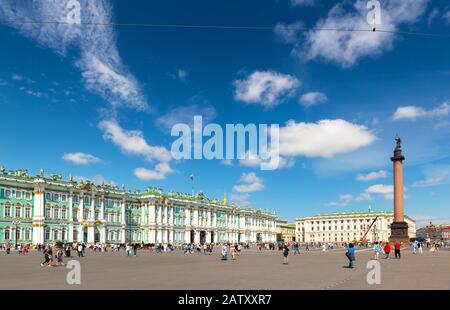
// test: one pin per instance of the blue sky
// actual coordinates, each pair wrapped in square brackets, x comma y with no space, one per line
[98,102]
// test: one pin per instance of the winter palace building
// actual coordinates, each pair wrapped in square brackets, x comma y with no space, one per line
[348,227]
[40,209]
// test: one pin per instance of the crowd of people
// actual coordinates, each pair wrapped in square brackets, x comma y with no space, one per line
[53,254]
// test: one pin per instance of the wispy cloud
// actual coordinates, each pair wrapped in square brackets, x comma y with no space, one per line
[98,59]
[80,158]
[313,98]
[381,174]
[415,112]
[133,142]
[159,173]
[248,183]
[346,48]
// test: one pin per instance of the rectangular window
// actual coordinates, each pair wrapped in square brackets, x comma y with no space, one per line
[28,196]
[18,195]
[63,198]
[18,211]
[7,211]
[27,214]
[63,213]
[8,193]
[48,196]
[47,212]
[56,213]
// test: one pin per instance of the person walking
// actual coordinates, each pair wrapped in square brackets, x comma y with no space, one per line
[47,257]
[8,247]
[128,249]
[224,252]
[420,247]
[377,250]
[80,250]
[397,247]
[59,257]
[351,255]
[135,249]
[387,250]
[285,254]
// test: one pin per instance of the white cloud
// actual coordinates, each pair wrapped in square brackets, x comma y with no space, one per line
[159,173]
[98,58]
[385,190]
[265,88]
[347,47]
[325,138]
[81,158]
[255,161]
[372,175]
[133,142]
[346,199]
[414,112]
[302,2]
[227,162]
[248,183]
[313,98]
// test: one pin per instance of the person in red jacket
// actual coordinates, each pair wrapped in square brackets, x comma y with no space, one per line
[387,250]
[397,247]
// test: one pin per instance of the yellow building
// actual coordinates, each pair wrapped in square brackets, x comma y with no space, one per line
[285,231]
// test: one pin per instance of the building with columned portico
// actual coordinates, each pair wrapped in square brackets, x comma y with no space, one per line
[41,209]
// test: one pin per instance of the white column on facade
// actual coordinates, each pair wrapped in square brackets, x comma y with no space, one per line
[69,232]
[38,216]
[91,220]
[187,214]
[195,217]
[122,220]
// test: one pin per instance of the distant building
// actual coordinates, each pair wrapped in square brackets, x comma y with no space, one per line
[348,227]
[435,232]
[285,231]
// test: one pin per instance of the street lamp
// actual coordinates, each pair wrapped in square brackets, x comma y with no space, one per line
[16,222]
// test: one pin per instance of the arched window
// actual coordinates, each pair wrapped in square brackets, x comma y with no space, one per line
[55,235]
[97,214]
[63,212]
[56,213]
[63,234]
[47,234]
[75,235]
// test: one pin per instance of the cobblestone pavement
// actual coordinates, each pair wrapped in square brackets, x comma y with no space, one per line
[251,270]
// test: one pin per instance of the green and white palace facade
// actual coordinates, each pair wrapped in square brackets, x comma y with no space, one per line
[41,209]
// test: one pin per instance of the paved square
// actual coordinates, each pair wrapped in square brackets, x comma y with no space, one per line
[251,270]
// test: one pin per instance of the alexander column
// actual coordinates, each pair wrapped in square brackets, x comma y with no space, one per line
[399,228]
